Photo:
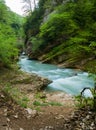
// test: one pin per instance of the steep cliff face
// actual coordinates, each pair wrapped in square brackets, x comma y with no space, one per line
[60,32]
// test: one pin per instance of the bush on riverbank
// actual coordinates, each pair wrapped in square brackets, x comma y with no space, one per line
[83,101]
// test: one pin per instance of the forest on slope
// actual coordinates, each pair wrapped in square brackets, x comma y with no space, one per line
[11,34]
[63,32]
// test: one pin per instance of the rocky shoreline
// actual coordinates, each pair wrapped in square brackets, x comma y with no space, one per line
[34,82]
[45,111]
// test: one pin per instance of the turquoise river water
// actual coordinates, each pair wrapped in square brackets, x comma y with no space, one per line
[71,81]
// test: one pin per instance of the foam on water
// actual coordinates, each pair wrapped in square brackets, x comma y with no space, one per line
[69,80]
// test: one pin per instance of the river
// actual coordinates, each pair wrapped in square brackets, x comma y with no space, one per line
[71,81]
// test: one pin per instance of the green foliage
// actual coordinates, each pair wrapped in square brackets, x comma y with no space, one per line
[6,57]
[10,34]
[36,43]
[38,103]
[8,51]
[41,101]
[55,104]
[83,101]
[71,25]
[16,95]
[33,21]
[52,29]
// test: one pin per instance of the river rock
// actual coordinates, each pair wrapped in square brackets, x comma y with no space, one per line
[15,116]
[31,113]
[30,82]
[40,82]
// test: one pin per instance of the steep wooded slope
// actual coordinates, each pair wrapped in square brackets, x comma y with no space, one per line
[10,35]
[63,32]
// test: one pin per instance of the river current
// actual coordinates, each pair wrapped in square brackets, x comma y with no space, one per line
[71,81]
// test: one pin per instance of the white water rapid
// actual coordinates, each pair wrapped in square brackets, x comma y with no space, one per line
[70,81]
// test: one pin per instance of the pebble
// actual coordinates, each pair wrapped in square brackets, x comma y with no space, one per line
[8,128]
[92,124]
[91,128]
[8,119]
[15,116]
[49,128]
[29,110]
[88,117]
[2,96]
[59,117]
[21,129]
[31,113]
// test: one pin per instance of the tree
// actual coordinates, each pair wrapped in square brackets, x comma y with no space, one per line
[29,6]
[70,25]
[10,32]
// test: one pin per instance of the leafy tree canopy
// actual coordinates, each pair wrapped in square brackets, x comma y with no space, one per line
[10,34]
[69,25]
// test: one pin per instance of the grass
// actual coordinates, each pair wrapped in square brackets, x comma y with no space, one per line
[38,103]
[55,104]
[16,95]
[83,101]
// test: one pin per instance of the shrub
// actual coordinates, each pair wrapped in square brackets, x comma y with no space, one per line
[36,43]
[58,26]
